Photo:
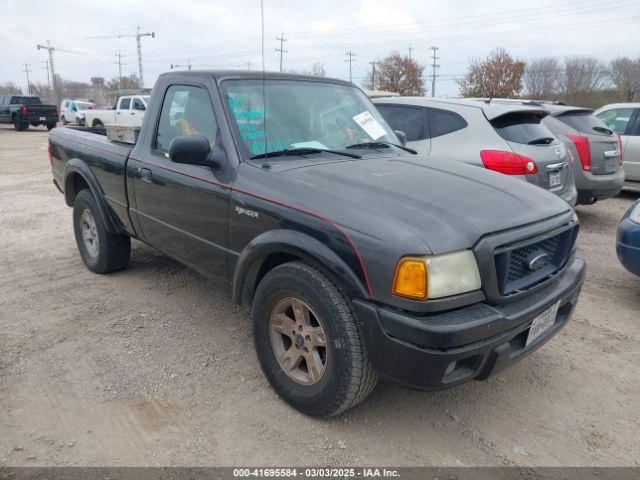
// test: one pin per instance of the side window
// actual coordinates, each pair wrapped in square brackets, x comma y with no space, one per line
[137,104]
[66,104]
[2,100]
[125,103]
[442,122]
[617,119]
[411,120]
[186,110]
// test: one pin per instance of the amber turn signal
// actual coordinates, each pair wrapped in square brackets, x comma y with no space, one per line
[410,279]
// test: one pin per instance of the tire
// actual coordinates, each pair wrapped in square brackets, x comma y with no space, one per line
[98,124]
[51,126]
[64,120]
[107,252]
[348,376]
[19,125]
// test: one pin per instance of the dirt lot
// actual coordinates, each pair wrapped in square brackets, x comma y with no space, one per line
[155,365]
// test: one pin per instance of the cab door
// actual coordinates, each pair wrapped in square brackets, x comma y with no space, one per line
[136,113]
[631,145]
[123,111]
[182,209]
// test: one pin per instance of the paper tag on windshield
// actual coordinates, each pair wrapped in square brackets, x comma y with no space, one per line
[369,125]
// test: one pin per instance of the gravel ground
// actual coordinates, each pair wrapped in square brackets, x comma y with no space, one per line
[155,365]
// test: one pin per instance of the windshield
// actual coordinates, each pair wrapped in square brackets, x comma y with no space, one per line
[301,114]
[26,100]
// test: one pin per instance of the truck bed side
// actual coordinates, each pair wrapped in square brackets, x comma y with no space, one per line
[82,156]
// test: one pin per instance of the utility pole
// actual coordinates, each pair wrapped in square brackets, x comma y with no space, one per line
[138,36]
[120,63]
[248,64]
[373,75]
[349,60]
[434,66]
[50,49]
[27,71]
[282,51]
[46,67]
[410,51]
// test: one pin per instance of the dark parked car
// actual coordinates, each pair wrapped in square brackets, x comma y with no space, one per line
[359,257]
[628,241]
[23,111]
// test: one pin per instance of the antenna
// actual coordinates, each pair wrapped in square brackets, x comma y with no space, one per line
[138,37]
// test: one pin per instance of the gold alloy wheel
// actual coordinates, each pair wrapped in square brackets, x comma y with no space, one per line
[298,341]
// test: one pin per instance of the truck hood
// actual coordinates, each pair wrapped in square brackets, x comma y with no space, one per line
[448,205]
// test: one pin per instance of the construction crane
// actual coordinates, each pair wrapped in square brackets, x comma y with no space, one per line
[138,35]
[52,49]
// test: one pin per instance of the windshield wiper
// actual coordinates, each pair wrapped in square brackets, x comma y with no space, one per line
[542,141]
[603,130]
[381,144]
[289,152]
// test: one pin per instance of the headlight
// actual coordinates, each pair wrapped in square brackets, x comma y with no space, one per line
[421,278]
[634,216]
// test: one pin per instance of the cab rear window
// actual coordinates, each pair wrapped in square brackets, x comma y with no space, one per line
[585,122]
[523,127]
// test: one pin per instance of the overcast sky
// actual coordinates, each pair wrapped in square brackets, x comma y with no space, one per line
[225,34]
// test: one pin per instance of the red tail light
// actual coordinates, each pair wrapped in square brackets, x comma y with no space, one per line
[58,111]
[508,163]
[584,151]
[23,110]
[620,159]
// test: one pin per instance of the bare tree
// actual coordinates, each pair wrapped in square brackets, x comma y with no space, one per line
[397,73]
[9,88]
[318,70]
[498,75]
[541,77]
[581,79]
[625,74]
[44,92]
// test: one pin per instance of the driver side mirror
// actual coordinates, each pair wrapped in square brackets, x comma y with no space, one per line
[402,137]
[196,150]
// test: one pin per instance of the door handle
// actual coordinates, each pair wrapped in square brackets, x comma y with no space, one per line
[145,175]
[132,113]
[117,113]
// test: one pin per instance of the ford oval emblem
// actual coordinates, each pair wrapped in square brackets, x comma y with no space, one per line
[538,261]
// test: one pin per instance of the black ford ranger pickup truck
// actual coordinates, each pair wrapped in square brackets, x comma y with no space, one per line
[359,259]
[21,111]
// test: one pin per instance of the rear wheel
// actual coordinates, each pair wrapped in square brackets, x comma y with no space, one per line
[101,251]
[64,120]
[308,343]
[19,125]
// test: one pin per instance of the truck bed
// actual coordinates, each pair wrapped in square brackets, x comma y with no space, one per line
[106,159]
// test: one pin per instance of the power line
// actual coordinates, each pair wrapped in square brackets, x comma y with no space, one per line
[282,51]
[349,59]
[27,70]
[434,66]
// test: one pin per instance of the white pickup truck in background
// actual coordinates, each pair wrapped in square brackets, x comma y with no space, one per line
[128,110]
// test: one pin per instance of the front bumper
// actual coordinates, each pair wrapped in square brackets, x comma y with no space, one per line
[420,351]
[628,245]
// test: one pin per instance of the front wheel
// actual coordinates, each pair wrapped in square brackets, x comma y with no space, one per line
[101,250]
[308,343]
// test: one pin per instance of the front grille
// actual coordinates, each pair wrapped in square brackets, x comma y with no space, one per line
[519,267]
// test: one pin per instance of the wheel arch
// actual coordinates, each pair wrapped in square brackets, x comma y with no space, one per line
[276,247]
[78,176]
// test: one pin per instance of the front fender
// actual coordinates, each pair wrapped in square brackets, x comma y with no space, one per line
[74,167]
[299,245]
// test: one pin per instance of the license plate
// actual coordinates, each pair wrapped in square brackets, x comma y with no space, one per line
[542,323]
[42,119]
[555,179]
